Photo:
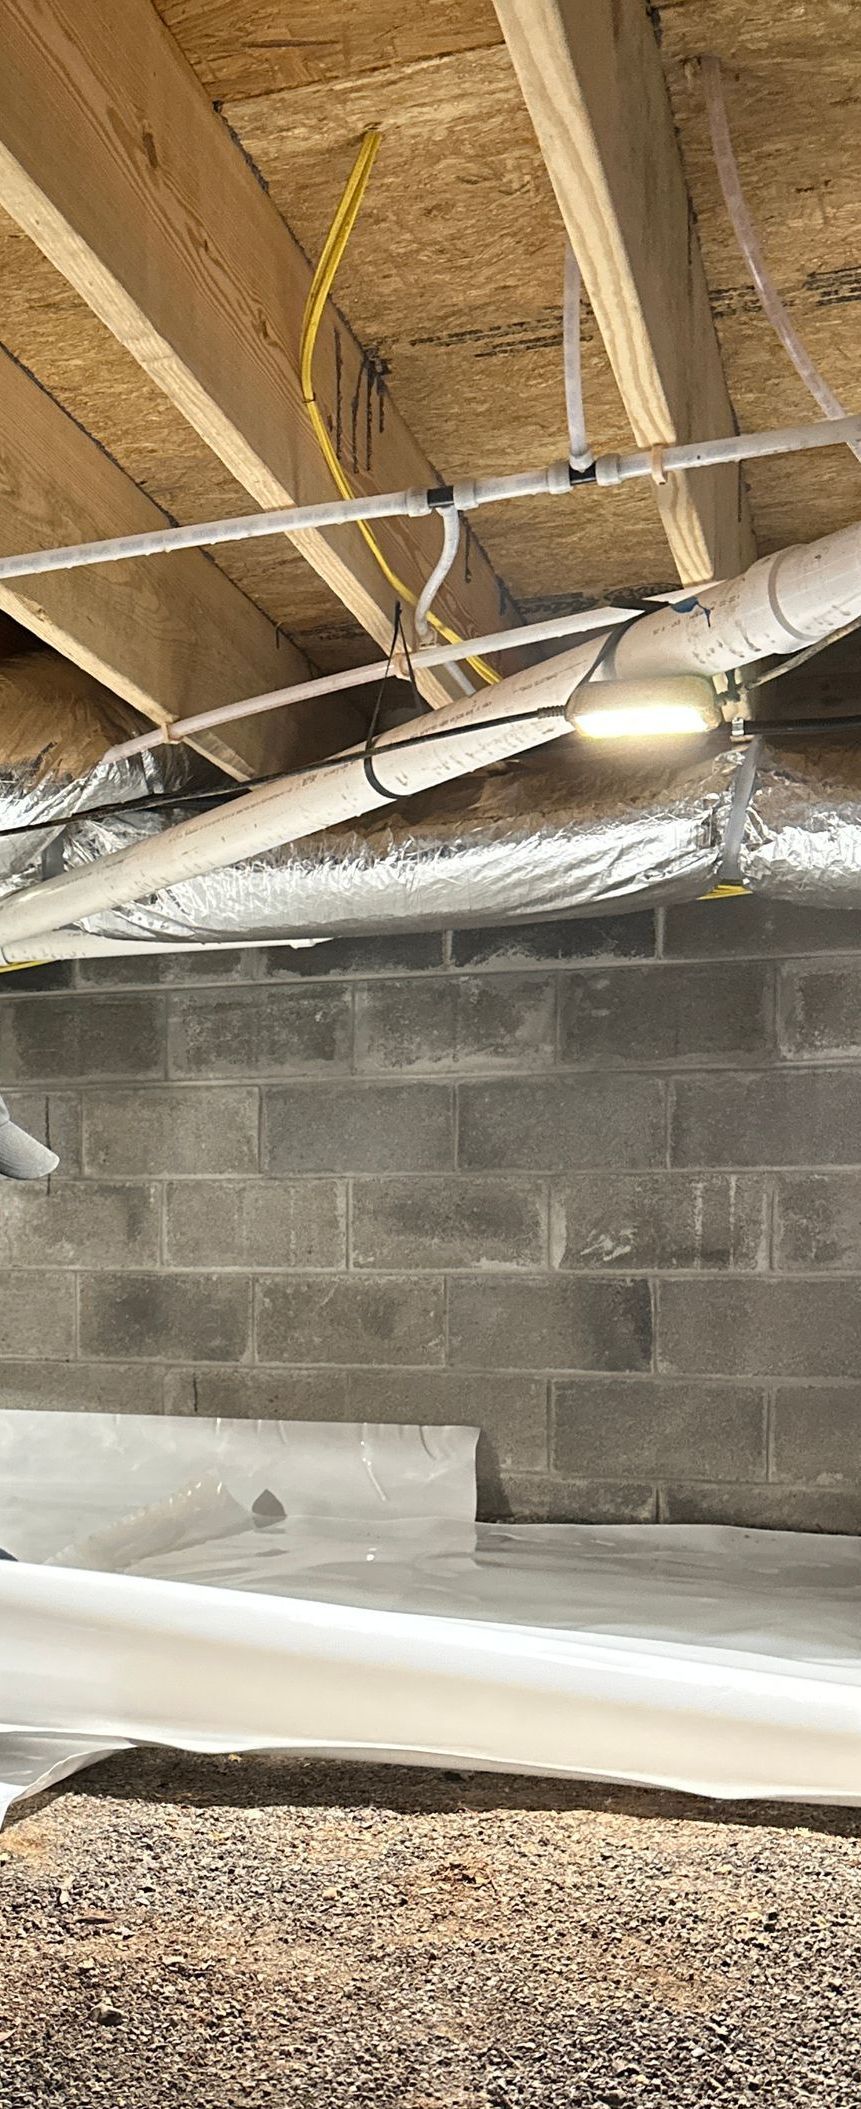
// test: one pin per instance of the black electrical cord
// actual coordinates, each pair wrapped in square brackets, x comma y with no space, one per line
[330,761]
[802,728]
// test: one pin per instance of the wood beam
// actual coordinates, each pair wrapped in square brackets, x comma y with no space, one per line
[591,76]
[115,164]
[171,635]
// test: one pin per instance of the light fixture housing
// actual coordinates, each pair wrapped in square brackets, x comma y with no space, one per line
[668,706]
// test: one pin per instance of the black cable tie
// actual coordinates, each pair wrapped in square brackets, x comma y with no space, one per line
[440,495]
[587,475]
[374,780]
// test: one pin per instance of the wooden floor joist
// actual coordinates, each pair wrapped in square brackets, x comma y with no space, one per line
[592,80]
[115,164]
[171,635]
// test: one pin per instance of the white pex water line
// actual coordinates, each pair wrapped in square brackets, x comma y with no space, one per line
[579,451]
[751,249]
[585,620]
[782,602]
[609,469]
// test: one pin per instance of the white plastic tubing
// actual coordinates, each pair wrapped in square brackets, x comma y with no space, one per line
[749,244]
[580,453]
[790,599]
[589,620]
[464,496]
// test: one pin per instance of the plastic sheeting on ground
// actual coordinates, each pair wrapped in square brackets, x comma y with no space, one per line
[326,1590]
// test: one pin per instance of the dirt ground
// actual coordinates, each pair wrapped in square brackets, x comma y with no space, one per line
[223,1932]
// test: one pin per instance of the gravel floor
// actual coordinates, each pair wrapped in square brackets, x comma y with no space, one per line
[222,1932]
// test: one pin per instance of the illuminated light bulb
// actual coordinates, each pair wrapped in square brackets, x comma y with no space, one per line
[677,706]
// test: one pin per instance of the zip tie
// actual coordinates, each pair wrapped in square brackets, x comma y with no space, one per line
[729,873]
[656,466]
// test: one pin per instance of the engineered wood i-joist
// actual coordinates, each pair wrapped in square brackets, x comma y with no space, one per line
[114,163]
[170,634]
[592,81]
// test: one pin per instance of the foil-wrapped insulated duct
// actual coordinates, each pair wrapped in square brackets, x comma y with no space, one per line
[571,829]
[55,727]
[548,835]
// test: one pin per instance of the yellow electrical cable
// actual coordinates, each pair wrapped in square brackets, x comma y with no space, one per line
[722,893]
[318,294]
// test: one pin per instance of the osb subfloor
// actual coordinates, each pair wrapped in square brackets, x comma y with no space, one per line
[220,1932]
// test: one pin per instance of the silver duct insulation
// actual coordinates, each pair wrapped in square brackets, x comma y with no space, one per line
[32,796]
[802,838]
[564,831]
[544,836]
[55,726]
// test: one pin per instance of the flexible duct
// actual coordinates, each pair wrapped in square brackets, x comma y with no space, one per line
[577,834]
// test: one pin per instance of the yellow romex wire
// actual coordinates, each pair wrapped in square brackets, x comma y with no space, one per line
[318,294]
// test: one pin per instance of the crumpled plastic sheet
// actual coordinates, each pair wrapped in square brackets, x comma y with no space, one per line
[379,1621]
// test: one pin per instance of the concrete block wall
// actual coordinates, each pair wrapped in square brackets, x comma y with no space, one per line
[594,1185]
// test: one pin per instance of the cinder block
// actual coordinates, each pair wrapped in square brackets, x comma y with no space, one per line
[457,1222]
[819,1009]
[54,1117]
[256,1223]
[637,1015]
[761,1328]
[464,1023]
[25,981]
[188,1130]
[165,969]
[780,1116]
[757,929]
[259,1031]
[628,1221]
[511,1412]
[647,1428]
[416,952]
[71,1036]
[764,1507]
[165,1317]
[258,1394]
[80,1223]
[549,1323]
[539,1498]
[818,1221]
[553,1124]
[358,1127]
[349,1319]
[85,1387]
[37,1314]
[816,1434]
[577,937]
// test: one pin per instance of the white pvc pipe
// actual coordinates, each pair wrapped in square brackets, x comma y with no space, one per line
[470,733]
[465,496]
[751,249]
[735,446]
[287,520]
[586,620]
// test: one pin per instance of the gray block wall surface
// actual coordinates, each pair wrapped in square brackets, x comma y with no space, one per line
[593,1186]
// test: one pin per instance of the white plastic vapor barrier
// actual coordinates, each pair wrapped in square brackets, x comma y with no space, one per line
[259,1585]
